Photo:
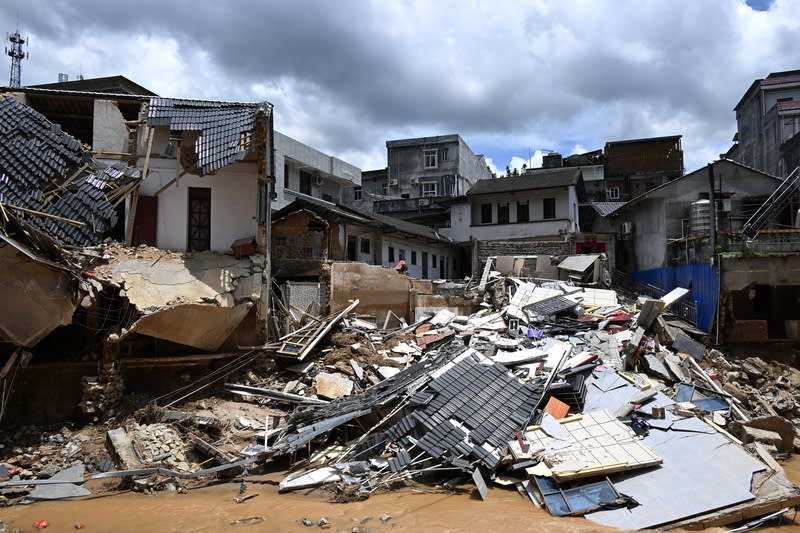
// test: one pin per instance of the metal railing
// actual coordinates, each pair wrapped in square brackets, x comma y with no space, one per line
[685,308]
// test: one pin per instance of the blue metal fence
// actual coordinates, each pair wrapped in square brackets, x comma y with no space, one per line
[702,280]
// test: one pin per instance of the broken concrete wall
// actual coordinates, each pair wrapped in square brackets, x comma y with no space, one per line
[195,300]
[43,298]
[740,272]
[110,134]
[482,250]
[301,242]
[379,290]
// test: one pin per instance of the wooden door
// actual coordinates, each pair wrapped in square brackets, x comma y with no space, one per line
[199,223]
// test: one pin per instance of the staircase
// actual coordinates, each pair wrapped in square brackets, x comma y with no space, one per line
[776,201]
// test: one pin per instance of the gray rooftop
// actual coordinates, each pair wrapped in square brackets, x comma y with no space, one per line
[538,179]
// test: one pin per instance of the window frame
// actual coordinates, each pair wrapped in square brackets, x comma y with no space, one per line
[527,211]
[503,213]
[428,194]
[357,191]
[613,193]
[486,209]
[548,208]
[430,153]
[413,257]
[364,245]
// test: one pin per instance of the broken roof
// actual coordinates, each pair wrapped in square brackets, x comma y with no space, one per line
[49,180]
[540,179]
[358,216]
[224,127]
[108,85]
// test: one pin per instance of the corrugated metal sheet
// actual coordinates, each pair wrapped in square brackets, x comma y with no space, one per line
[701,279]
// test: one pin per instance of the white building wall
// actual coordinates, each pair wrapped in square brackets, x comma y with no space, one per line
[460,220]
[110,133]
[292,155]
[233,203]
[409,248]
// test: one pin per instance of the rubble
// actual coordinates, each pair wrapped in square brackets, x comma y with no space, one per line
[564,390]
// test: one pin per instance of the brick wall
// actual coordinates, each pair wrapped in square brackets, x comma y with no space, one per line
[484,249]
[293,246]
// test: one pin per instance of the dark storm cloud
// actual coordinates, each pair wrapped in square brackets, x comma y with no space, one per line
[347,75]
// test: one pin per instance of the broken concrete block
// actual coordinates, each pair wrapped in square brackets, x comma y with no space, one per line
[747,435]
[332,386]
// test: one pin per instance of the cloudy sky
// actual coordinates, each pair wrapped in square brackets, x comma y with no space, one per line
[515,79]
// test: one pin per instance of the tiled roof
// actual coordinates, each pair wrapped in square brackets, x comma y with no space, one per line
[44,170]
[359,216]
[221,125]
[791,78]
[789,105]
[539,179]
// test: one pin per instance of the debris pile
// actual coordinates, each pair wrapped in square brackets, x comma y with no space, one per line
[588,402]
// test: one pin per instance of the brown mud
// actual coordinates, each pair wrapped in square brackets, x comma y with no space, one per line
[213,509]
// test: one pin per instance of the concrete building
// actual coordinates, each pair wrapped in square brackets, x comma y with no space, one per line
[635,166]
[767,124]
[309,232]
[689,233]
[535,213]
[423,173]
[299,168]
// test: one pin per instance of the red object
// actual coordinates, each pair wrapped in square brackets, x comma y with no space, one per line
[41,524]
[711,373]
[88,273]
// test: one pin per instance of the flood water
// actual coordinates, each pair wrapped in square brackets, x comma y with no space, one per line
[212,509]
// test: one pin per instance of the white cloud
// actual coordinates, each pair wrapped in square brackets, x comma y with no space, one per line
[507,76]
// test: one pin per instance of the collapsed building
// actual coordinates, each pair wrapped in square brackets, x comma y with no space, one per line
[587,401]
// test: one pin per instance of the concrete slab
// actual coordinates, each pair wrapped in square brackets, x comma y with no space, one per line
[332,386]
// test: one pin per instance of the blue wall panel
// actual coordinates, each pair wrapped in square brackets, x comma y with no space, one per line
[701,279]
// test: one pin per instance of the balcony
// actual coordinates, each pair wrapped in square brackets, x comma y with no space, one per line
[521,230]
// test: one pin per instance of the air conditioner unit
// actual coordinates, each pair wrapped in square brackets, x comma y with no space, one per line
[414,181]
[626,228]
[725,205]
[424,202]
[392,181]
[317,180]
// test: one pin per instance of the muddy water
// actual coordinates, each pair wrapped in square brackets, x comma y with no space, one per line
[213,509]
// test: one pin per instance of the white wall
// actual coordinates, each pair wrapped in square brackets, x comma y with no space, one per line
[460,220]
[407,246]
[110,133]
[545,228]
[233,203]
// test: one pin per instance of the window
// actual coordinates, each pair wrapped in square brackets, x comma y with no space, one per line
[365,246]
[549,208]
[433,261]
[385,189]
[413,257]
[357,193]
[443,154]
[613,193]
[430,158]
[285,176]
[523,212]
[391,254]
[305,183]
[502,213]
[430,189]
[486,213]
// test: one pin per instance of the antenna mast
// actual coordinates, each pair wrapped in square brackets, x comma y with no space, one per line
[16,54]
